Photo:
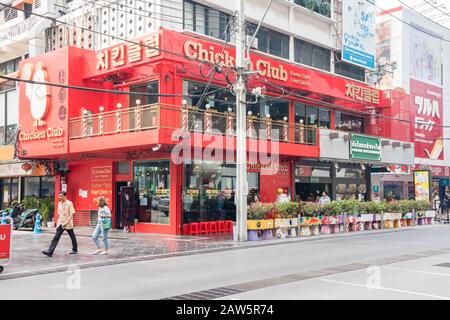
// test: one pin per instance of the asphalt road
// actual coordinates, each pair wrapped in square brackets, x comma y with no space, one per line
[409,264]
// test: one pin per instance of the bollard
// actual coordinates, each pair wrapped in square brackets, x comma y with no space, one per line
[37,225]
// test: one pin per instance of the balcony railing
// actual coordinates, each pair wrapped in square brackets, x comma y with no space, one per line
[151,117]
[19,28]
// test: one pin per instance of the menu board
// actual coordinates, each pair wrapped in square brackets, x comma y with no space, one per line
[422,184]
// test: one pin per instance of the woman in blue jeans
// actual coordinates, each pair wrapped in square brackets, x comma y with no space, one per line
[103,214]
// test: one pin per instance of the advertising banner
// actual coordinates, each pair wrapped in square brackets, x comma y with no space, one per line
[5,241]
[425,51]
[365,147]
[422,185]
[427,116]
[358,40]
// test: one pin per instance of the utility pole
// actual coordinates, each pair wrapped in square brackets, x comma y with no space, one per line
[241,129]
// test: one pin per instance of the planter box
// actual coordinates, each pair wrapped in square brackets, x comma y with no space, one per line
[259,224]
[430,214]
[365,218]
[286,223]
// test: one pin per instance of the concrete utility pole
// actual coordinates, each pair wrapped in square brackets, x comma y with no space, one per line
[241,129]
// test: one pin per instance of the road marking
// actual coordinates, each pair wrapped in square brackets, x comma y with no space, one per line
[419,271]
[388,289]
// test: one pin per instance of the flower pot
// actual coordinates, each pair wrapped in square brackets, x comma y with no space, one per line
[280,233]
[429,220]
[314,230]
[252,235]
[367,225]
[397,224]
[334,228]
[420,221]
[326,229]
[305,231]
[388,224]
[360,226]
[375,225]
[403,223]
[409,222]
[292,232]
[267,235]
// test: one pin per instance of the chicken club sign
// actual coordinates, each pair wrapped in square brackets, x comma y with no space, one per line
[38,96]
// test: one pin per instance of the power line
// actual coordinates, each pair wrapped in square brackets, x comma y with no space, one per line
[51,84]
[106,34]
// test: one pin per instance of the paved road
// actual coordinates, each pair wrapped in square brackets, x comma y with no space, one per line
[397,265]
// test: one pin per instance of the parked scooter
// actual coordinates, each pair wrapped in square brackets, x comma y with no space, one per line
[27,219]
[16,211]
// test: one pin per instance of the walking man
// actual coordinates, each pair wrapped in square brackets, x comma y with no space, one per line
[65,223]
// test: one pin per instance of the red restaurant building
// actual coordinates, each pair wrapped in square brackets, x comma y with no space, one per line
[116,139]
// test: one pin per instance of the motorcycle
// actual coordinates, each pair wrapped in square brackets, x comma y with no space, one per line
[27,219]
[13,212]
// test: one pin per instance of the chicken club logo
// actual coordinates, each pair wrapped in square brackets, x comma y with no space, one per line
[38,94]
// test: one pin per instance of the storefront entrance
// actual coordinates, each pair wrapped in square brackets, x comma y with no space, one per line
[118,215]
[309,191]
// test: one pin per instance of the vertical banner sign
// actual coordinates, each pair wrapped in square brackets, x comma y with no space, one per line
[427,116]
[422,184]
[358,41]
[5,241]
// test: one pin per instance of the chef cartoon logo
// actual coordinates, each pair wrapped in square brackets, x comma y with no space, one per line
[38,94]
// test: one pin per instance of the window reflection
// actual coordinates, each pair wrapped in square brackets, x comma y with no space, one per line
[349,123]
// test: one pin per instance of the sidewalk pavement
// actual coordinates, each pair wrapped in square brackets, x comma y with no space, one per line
[27,259]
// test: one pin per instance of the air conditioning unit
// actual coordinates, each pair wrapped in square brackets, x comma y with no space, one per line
[254,44]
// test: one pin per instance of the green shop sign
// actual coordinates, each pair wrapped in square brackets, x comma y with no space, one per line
[365,147]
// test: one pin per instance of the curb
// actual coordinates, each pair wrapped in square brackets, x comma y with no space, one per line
[232,246]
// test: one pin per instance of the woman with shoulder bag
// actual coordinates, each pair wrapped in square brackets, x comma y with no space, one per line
[103,226]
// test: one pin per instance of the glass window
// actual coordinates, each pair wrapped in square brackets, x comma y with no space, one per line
[312,55]
[123,167]
[324,118]
[270,41]
[150,87]
[209,189]
[47,187]
[349,70]
[12,114]
[2,118]
[206,20]
[152,181]
[31,186]
[319,6]
[311,116]
[350,123]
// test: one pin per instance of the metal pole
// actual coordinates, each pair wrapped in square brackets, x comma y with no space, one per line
[241,129]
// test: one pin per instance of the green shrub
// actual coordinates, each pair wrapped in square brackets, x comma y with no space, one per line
[287,210]
[393,207]
[407,205]
[422,205]
[30,202]
[349,206]
[310,209]
[259,210]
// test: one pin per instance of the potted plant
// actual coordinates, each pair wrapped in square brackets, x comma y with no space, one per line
[365,216]
[310,218]
[421,206]
[310,4]
[406,207]
[349,208]
[376,208]
[46,209]
[330,219]
[286,220]
[325,8]
[392,215]
[258,219]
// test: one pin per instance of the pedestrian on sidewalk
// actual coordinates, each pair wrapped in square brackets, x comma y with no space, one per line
[103,226]
[65,223]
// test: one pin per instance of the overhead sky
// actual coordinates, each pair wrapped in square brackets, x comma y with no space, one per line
[436,10]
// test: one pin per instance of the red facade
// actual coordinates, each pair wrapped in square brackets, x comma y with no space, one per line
[92,145]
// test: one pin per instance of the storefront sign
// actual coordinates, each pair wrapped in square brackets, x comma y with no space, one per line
[365,147]
[422,184]
[14,170]
[303,171]
[358,43]
[361,93]
[5,241]
[101,183]
[125,54]
[282,73]
[427,116]
[436,171]
[270,167]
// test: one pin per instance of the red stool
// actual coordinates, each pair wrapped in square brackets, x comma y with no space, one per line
[229,226]
[186,229]
[213,227]
[221,226]
[204,228]
[193,228]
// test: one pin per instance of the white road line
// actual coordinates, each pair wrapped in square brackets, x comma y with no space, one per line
[387,289]
[418,271]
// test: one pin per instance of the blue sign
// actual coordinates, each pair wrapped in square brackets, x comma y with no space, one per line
[358,41]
